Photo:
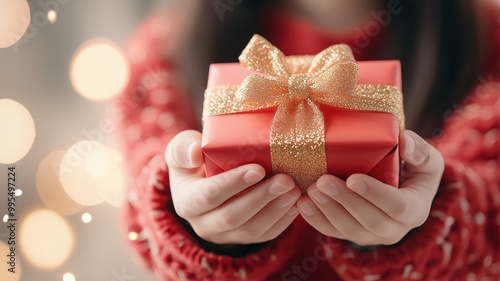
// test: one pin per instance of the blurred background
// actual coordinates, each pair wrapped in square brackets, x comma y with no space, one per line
[61,175]
[60,67]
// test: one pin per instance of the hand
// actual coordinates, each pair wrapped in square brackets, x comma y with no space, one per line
[366,211]
[234,207]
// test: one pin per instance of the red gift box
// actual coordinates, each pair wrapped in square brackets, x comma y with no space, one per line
[356,141]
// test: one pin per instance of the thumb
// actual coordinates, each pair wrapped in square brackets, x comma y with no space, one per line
[184,151]
[422,156]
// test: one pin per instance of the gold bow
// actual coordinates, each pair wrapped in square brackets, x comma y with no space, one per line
[296,85]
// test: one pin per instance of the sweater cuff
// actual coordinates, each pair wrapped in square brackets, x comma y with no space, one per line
[410,259]
[176,253]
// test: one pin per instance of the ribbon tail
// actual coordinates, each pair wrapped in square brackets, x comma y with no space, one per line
[298,143]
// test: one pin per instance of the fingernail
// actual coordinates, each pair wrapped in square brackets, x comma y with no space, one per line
[307,208]
[292,212]
[189,153]
[278,188]
[318,196]
[328,187]
[409,145]
[285,200]
[358,186]
[252,176]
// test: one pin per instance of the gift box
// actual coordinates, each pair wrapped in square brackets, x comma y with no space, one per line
[304,116]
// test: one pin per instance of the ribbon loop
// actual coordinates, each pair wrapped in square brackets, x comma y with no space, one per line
[260,55]
[329,57]
[338,80]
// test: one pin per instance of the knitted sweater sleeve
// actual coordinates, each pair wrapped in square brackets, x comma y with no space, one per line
[461,238]
[150,112]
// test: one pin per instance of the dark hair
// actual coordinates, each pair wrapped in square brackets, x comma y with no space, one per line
[438,42]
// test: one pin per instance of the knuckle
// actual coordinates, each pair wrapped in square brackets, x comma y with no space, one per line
[200,202]
[211,192]
[380,228]
[421,218]
[202,232]
[221,181]
[182,211]
[351,231]
[207,198]
[206,201]
[401,210]
[418,215]
[228,220]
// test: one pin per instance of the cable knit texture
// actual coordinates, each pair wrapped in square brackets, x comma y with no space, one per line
[459,241]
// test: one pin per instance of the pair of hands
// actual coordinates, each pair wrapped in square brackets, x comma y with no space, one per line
[237,207]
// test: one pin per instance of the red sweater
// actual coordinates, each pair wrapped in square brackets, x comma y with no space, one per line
[459,241]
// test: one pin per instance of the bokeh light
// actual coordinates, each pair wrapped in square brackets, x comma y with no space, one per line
[132,236]
[14,20]
[6,275]
[97,162]
[77,183]
[86,218]
[46,239]
[69,277]
[111,183]
[91,173]
[98,70]
[49,186]
[52,16]
[5,218]
[17,129]
[18,192]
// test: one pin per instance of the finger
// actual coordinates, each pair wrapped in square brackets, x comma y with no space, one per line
[399,204]
[267,217]
[184,152]
[237,237]
[422,156]
[357,213]
[242,207]
[317,219]
[425,164]
[210,193]
[280,225]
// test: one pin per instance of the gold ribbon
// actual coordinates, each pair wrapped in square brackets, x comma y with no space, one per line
[296,85]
